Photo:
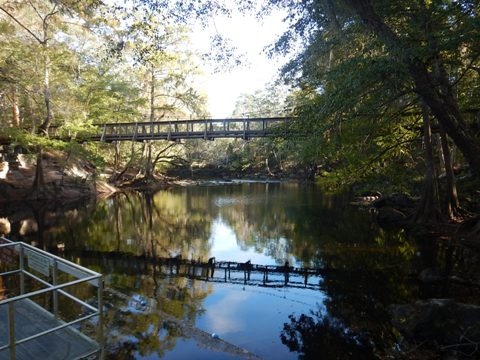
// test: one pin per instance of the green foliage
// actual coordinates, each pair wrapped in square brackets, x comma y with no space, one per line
[358,100]
[30,142]
[88,84]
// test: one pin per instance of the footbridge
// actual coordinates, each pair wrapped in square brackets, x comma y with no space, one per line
[174,130]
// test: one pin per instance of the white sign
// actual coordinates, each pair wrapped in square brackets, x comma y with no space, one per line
[39,263]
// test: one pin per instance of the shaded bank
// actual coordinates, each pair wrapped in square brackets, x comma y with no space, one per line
[63,180]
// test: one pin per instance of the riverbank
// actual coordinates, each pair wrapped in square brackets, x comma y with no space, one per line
[67,180]
[445,321]
[61,180]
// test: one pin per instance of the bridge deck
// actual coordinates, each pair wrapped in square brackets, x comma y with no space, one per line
[174,130]
[31,319]
[207,129]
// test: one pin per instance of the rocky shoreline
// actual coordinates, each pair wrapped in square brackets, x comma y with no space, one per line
[433,328]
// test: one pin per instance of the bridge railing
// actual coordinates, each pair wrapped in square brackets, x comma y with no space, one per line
[176,129]
[207,129]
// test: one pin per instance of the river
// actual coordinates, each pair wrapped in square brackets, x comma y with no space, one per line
[153,312]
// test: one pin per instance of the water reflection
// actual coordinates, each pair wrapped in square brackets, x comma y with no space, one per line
[317,335]
[366,269]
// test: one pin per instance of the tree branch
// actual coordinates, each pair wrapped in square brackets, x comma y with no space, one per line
[163,151]
[383,152]
[467,68]
[35,9]
[21,25]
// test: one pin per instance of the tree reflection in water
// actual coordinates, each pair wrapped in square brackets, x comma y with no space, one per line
[367,268]
[317,336]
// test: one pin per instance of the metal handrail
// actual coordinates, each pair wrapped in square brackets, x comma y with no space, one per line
[70,296]
[56,264]
[49,255]
[279,119]
[43,291]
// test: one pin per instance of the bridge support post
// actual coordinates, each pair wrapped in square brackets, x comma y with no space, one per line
[265,276]
[211,266]
[104,132]
[134,137]
[287,269]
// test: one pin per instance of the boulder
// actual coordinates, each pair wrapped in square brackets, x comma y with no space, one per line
[431,276]
[440,322]
[388,215]
[395,200]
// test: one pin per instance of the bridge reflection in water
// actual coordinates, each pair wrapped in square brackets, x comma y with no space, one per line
[211,270]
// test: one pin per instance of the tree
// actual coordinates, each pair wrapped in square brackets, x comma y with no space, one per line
[37,19]
[422,41]
[366,69]
[429,73]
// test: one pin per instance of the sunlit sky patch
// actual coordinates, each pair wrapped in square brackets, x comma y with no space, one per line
[225,246]
[250,36]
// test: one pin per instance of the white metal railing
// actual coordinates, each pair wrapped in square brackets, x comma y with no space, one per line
[50,266]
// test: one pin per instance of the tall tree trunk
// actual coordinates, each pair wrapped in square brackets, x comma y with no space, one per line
[148,172]
[43,129]
[43,41]
[451,202]
[334,27]
[148,162]
[429,208]
[39,181]
[152,93]
[116,156]
[15,109]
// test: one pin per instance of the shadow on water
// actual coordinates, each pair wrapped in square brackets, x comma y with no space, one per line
[154,312]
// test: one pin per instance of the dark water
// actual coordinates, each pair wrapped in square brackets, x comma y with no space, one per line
[152,313]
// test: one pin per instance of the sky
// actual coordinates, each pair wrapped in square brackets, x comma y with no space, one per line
[250,36]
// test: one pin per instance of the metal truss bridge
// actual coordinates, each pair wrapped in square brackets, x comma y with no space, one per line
[174,130]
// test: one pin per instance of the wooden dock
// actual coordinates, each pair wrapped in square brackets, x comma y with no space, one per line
[32,319]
